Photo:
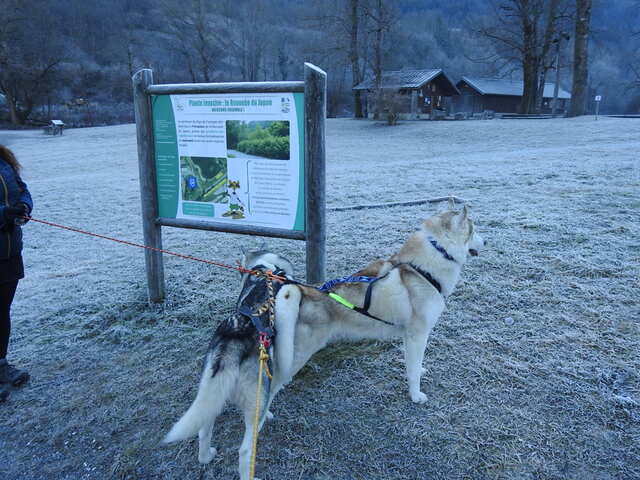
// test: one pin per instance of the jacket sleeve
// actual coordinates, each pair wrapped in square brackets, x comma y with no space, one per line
[25,196]
[2,205]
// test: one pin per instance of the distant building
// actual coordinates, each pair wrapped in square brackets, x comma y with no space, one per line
[502,96]
[421,93]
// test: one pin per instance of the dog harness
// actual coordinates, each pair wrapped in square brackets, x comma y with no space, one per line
[364,310]
[254,302]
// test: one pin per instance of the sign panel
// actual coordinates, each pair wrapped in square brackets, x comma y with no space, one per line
[598,98]
[231,158]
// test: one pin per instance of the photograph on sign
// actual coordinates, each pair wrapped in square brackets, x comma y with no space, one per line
[232,158]
[267,139]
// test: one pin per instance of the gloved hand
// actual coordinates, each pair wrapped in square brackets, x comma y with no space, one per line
[16,214]
[25,213]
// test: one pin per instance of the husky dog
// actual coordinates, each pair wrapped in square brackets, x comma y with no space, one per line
[405,300]
[230,372]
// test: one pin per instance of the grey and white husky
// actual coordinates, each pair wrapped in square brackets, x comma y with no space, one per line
[408,296]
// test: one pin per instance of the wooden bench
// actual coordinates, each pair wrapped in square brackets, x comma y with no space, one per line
[55,127]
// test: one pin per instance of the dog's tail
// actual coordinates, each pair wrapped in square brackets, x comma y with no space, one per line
[216,385]
[287,309]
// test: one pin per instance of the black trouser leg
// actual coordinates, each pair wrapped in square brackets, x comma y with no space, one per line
[7,291]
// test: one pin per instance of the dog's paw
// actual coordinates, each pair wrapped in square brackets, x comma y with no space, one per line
[207,456]
[269,415]
[419,397]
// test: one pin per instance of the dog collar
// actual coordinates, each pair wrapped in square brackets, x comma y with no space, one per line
[441,249]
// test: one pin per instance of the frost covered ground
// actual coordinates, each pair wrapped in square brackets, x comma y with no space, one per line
[532,373]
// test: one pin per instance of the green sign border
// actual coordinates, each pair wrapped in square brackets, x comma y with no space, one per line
[299,223]
[167,160]
[166,155]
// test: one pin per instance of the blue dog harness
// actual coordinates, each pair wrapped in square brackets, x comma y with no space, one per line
[327,286]
[364,310]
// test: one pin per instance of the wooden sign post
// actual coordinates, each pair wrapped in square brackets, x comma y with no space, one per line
[243,157]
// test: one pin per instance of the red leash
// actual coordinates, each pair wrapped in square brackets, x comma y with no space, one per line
[168,252]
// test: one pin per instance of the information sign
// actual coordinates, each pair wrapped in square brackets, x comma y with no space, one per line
[231,158]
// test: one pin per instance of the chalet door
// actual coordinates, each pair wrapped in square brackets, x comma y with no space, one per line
[427,104]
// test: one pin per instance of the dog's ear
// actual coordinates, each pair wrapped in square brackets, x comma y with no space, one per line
[243,257]
[464,214]
[451,204]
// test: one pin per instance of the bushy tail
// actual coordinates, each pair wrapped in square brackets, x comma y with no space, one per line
[213,393]
[287,310]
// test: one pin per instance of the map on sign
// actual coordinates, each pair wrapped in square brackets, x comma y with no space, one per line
[204,179]
[232,158]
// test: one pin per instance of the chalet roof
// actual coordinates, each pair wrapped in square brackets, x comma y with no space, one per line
[500,86]
[405,79]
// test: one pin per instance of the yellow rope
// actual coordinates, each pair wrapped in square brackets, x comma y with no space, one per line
[264,357]
[263,365]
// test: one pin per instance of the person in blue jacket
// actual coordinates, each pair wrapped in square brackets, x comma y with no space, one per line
[15,208]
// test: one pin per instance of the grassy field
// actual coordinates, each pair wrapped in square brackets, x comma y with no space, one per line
[532,372]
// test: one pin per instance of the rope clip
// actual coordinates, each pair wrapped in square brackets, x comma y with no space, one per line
[264,340]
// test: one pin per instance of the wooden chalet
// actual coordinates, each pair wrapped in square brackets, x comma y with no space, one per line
[502,96]
[423,93]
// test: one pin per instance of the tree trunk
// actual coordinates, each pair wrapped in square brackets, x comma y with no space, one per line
[556,87]
[530,84]
[544,64]
[530,63]
[377,66]
[580,59]
[540,91]
[356,77]
[13,110]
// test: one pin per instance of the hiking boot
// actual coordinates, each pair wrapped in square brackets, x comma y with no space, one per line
[4,393]
[11,375]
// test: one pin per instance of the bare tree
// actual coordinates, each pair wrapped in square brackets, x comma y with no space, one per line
[522,32]
[252,44]
[579,91]
[29,57]
[558,64]
[248,35]
[634,64]
[357,73]
[346,25]
[191,24]
[546,60]
[382,18]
